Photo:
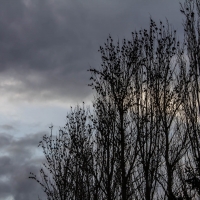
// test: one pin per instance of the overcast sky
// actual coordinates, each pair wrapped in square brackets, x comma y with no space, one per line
[46,47]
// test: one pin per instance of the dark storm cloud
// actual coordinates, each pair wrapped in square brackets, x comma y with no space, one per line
[49,45]
[42,49]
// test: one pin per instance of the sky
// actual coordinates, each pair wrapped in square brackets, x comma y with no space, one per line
[46,48]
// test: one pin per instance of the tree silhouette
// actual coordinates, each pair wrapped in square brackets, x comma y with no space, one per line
[142,139]
[191,11]
[65,174]
[116,137]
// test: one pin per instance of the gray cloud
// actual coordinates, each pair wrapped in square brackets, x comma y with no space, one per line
[17,163]
[5,139]
[49,45]
[7,127]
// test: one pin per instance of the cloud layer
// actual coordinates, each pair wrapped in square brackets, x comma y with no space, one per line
[19,158]
[47,46]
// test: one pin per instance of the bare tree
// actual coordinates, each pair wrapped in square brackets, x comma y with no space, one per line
[144,132]
[191,12]
[65,174]
[144,89]
[147,122]
[116,136]
[169,100]
[160,84]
